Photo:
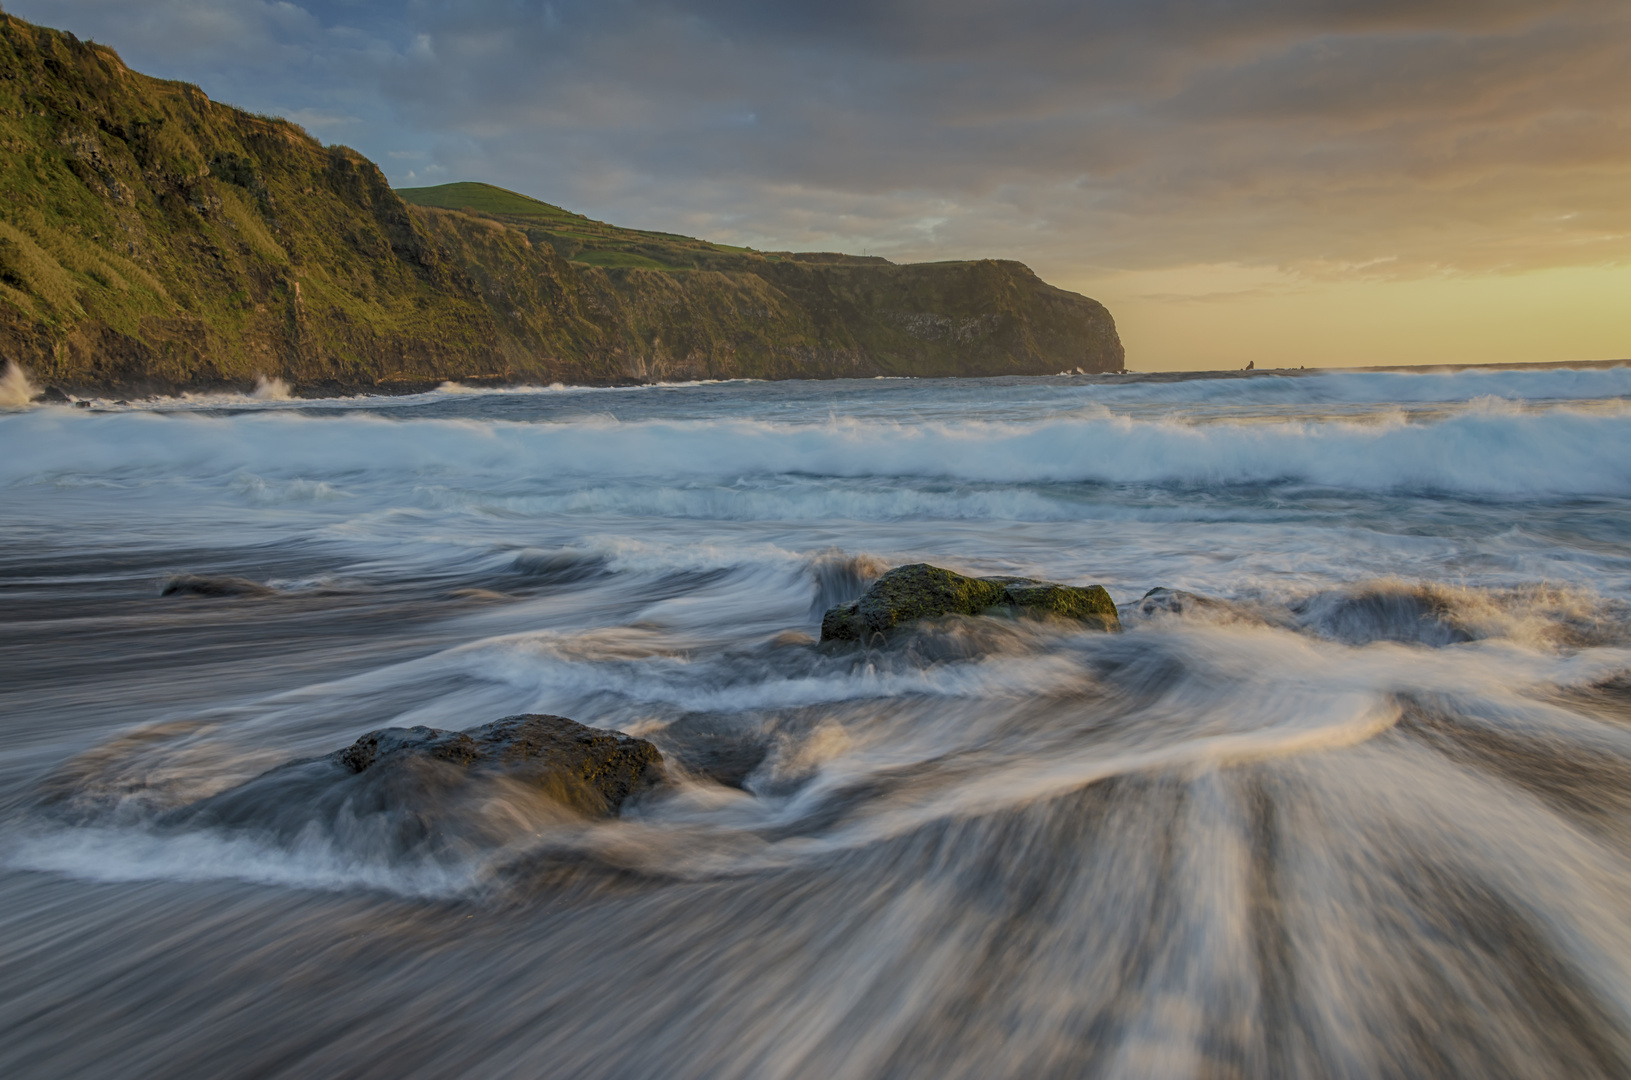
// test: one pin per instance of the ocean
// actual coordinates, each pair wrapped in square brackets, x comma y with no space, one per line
[1349,795]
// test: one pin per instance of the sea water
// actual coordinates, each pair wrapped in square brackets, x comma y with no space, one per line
[1350,796]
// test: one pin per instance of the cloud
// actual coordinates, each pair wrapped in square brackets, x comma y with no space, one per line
[313,120]
[269,56]
[1326,139]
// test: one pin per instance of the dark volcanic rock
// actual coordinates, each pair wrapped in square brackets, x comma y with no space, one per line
[724,749]
[1403,613]
[1175,601]
[402,796]
[920,591]
[591,770]
[906,593]
[1089,604]
[214,585]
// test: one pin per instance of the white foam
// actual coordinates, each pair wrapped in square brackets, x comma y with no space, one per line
[1485,448]
[136,854]
[16,391]
[1376,387]
[271,389]
[552,669]
[1243,695]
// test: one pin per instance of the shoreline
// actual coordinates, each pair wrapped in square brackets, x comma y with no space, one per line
[329,390]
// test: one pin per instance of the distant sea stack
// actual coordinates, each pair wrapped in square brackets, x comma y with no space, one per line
[152,240]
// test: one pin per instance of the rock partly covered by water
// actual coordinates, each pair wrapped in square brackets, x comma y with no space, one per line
[1174,601]
[589,769]
[921,591]
[421,797]
[213,585]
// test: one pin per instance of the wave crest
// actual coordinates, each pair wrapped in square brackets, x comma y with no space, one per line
[1487,449]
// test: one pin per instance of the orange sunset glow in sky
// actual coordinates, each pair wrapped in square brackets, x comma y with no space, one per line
[1285,182]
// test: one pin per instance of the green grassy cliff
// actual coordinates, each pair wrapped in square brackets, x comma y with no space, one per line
[151,239]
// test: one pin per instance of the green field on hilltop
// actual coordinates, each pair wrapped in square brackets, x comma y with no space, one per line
[153,240]
[487,199]
[583,239]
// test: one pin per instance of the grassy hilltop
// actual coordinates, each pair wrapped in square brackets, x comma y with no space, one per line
[153,239]
[578,238]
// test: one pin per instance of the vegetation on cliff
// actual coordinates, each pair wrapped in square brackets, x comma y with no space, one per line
[153,239]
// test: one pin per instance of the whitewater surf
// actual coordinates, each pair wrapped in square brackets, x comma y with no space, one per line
[1349,795]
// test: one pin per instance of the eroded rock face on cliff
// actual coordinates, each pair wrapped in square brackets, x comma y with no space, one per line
[154,240]
[920,591]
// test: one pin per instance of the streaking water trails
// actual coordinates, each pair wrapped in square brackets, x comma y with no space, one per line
[1351,797]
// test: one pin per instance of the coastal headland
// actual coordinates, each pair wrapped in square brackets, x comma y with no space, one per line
[152,240]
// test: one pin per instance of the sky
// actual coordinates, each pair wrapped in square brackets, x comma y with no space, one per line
[1284,182]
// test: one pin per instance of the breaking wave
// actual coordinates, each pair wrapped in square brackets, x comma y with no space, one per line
[1381,387]
[1349,796]
[1485,449]
[16,390]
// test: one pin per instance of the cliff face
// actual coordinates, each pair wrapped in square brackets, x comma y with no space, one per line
[151,239]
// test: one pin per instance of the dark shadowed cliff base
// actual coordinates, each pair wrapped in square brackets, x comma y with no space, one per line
[154,240]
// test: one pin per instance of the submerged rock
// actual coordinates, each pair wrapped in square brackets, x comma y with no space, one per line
[214,585]
[588,769]
[1413,614]
[424,797]
[724,749]
[1174,601]
[920,591]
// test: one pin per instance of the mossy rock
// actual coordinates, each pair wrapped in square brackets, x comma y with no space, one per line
[1089,604]
[921,591]
[402,795]
[588,769]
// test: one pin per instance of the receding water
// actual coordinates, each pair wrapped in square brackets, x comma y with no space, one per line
[1353,799]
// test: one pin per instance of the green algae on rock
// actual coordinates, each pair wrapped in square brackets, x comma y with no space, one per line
[422,796]
[588,769]
[1089,604]
[921,591]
